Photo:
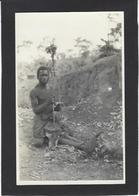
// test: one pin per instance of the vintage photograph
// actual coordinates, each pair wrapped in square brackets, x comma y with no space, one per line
[70,108]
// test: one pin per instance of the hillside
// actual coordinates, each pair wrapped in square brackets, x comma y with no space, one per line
[101,81]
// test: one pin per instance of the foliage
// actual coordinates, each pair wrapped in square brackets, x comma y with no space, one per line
[113,37]
[86,118]
[116,32]
[24,44]
[107,49]
[48,46]
[51,49]
[84,47]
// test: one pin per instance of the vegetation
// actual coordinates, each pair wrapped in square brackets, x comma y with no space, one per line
[113,37]
[89,87]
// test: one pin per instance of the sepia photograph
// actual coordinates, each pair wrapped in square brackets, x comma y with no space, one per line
[70,107]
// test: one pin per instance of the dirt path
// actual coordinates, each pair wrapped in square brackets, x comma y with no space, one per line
[65,163]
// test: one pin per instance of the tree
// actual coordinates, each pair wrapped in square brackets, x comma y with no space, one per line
[116,32]
[52,51]
[47,46]
[107,48]
[24,44]
[113,37]
[84,46]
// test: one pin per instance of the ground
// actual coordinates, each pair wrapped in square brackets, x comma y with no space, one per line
[68,163]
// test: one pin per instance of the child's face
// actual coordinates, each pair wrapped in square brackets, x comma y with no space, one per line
[43,76]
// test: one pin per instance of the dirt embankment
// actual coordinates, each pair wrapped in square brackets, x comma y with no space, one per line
[101,81]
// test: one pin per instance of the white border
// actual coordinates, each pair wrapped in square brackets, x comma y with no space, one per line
[77,182]
[16,109]
[71,182]
[123,97]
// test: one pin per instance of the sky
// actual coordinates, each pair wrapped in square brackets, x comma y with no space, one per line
[64,27]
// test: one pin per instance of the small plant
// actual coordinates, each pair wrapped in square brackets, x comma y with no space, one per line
[52,51]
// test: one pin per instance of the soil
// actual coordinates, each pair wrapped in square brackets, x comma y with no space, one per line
[65,162]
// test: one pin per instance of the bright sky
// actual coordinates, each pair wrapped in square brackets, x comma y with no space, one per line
[64,27]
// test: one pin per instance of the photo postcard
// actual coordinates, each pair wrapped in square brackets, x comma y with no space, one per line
[69,97]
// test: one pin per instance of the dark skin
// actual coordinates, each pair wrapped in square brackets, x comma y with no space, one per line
[41,99]
[41,102]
